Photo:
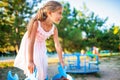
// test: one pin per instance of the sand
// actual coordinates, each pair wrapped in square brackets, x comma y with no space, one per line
[109,70]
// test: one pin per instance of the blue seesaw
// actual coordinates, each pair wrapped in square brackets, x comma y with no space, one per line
[62,73]
[15,77]
[11,77]
[81,63]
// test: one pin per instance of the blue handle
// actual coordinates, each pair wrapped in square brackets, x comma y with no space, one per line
[11,77]
[62,73]
[61,70]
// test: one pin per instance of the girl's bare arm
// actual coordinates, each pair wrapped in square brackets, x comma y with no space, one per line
[31,41]
[58,46]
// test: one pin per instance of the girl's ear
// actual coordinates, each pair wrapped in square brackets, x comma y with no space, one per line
[49,13]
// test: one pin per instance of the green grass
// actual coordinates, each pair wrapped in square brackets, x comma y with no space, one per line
[109,54]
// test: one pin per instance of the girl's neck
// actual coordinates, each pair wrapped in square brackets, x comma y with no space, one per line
[46,25]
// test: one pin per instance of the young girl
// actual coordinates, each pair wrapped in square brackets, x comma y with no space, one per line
[32,52]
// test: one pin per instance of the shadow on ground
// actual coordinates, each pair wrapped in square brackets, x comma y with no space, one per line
[4,72]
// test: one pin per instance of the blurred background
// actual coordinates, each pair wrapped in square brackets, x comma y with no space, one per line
[85,23]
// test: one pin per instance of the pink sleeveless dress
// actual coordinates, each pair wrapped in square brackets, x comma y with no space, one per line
[39,53]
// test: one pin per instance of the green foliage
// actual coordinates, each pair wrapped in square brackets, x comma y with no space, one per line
[111,40]
[13,20]
[75,22]
[16,13]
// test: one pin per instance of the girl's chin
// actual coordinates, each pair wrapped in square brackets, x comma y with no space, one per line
[57,22]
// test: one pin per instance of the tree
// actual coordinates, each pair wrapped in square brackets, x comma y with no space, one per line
[107,40]
[13,19]
[76,22]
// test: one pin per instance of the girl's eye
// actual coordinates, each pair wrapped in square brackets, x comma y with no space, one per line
[60,12]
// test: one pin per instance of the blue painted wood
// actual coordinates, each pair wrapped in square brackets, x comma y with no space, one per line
[62,70]
[62,73]
[11,77]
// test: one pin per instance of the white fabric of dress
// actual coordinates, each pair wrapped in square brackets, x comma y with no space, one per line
[39,53]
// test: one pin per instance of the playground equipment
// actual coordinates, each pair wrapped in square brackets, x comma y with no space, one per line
[11,77]
[81,63]
[32,76]
[62,73]
[15,77]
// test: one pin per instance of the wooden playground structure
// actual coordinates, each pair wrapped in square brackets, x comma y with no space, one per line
[81,63]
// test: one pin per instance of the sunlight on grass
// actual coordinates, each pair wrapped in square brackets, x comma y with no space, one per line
[6,64]
[53,60]
[10,63]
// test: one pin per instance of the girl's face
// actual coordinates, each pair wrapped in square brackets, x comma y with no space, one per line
[56,16]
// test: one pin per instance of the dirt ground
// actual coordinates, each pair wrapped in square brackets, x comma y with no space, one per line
[109,70]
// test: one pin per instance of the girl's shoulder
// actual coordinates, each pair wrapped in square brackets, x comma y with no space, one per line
[36,23]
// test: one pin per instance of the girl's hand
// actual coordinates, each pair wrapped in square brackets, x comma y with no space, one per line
[62,63]
[31,67]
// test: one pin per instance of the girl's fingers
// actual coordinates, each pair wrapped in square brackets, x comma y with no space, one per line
[31,68]
[63,65]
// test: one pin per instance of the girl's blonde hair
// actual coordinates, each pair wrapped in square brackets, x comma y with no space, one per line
[41,15]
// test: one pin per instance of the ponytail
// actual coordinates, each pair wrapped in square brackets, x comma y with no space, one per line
[41,16]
